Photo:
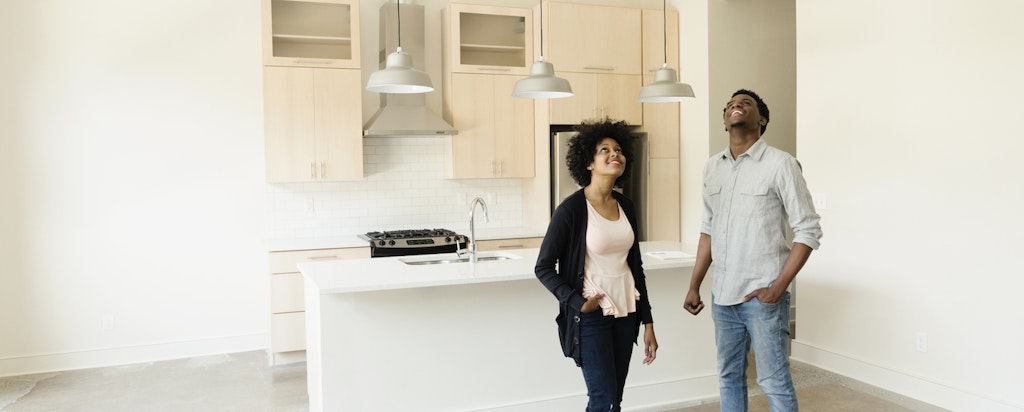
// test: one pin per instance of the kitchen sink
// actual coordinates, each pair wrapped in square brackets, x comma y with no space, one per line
[483,257]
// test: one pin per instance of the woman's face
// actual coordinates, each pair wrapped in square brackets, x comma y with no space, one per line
[608,159]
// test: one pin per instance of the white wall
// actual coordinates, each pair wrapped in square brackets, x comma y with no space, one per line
[752,45]
[909,125]
[136,180]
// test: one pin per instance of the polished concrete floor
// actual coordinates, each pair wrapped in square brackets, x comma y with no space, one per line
[245,382]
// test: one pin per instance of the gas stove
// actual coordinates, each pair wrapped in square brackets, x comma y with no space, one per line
[413,242]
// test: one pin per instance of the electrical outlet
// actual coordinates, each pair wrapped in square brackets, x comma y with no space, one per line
[921,342]
[107,322]
[820,200]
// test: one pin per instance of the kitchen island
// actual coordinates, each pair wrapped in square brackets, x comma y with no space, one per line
[387,335]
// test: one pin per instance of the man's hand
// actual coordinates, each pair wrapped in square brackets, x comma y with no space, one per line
[765,295]
[693,304]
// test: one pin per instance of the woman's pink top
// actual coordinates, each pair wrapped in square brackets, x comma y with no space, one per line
[605,269]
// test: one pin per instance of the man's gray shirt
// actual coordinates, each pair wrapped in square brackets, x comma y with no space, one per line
[750,204]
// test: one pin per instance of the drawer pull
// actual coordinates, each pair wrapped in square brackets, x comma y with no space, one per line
[322,257]
[606,68]
[309,61]
[519,246]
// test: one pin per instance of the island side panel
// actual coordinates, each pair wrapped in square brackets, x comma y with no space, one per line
[486,346]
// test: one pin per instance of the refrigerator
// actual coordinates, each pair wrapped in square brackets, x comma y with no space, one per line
[635,188]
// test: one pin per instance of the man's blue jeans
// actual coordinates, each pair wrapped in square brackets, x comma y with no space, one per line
[606,344]
[766,327]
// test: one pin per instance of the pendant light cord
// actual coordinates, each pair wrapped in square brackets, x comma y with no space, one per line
[541,30]
[398,5]
[664,31]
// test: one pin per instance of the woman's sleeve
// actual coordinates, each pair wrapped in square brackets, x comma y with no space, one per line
[552,248]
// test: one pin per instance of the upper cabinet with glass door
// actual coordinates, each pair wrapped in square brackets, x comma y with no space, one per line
[311,33]
[488,39]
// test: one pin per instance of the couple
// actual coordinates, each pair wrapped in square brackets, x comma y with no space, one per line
[590,259]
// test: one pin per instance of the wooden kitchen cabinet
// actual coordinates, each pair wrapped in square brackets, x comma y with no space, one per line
[312,131]
[661,122]
[598,96]
[287,297]
[311,33]
[592,39]
[663,199]
[495,137]
[487,39]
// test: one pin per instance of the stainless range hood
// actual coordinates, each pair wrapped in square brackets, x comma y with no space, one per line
[404,114]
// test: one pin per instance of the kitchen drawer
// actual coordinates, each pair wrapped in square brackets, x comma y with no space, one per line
[504,244]
[285,262]
[286,293]
[288,332]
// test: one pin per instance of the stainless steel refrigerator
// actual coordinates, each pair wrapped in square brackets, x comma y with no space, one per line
[635,188]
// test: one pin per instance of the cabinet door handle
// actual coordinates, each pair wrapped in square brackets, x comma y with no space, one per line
[501,165]
[605,68]
[494,69]
[323,170]
[311,61]
[312,170]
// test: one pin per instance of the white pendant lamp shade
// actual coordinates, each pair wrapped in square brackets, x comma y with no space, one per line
[665,88]
[542,83]
[398,76]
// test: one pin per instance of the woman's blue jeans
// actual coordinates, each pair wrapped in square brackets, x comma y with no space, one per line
[766,327]
[606,344]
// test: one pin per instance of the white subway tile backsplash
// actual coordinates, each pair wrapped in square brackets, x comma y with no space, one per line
[403,188]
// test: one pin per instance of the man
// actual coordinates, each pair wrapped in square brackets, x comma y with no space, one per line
[754,195]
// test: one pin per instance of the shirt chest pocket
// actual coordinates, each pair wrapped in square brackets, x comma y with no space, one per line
[755,200]
[713,194]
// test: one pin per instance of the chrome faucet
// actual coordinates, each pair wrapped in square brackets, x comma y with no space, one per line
[471,248]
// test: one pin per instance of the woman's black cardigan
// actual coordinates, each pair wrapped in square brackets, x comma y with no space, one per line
[565,244]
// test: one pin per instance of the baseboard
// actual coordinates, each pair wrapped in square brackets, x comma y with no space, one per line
[904,383]
[642,397]
[54,362]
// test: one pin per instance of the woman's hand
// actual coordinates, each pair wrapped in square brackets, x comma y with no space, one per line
[593,303]
[650,344]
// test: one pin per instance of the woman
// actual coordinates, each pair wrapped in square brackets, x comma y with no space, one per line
[599,284]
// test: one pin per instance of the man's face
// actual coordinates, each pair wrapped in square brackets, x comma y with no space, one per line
[741,111]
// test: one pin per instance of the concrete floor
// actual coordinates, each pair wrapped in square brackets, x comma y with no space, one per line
[245,382]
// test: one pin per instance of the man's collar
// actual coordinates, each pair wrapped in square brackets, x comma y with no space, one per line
[755,151]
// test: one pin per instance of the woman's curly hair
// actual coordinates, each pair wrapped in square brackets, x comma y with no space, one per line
[583,147]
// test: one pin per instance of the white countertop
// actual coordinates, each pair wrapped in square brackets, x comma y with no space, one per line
[363,275]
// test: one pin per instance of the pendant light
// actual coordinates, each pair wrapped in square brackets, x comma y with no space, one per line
[665,88]
[542,83]
[398,75]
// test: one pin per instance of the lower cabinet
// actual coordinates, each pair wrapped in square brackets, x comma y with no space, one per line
[287,298]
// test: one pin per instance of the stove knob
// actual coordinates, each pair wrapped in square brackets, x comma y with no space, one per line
[381,243]
[447,240]
[391,242]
